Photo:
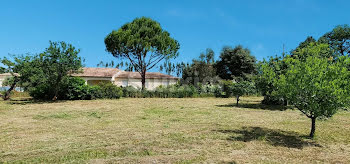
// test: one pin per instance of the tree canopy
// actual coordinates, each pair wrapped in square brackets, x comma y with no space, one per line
[143,43]
[317,86]
[338,39]
[200,70]
[235,63]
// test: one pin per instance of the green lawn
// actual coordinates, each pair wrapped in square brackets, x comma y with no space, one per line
[152,130]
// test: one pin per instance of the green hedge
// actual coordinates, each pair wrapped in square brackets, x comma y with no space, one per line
[74,88]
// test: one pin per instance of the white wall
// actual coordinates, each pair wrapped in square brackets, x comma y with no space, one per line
[2,78]
[151,84]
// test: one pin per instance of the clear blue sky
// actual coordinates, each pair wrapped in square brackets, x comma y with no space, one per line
[263,26]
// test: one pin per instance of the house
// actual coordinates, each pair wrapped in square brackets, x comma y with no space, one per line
[93,76]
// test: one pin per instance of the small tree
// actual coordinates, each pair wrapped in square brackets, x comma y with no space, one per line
[14,67]
[317,86]
[242,88]
[144,43]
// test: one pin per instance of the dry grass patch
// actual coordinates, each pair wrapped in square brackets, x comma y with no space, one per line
[190,130]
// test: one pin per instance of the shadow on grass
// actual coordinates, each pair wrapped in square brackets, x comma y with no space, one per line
[25,101]
[271,136]
[256,106]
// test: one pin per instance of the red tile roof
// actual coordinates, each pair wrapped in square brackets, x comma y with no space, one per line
[97,72]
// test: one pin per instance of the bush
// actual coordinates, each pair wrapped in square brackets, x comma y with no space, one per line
[109,91]
[131,92]
[41,92]
[74,88]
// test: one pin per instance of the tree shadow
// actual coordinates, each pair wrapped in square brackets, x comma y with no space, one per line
[256,106]
[271,136]
[25,101]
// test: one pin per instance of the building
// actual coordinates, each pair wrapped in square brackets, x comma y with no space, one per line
[93,76]
[3,77]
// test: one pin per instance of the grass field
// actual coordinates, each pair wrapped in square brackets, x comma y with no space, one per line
[190,130]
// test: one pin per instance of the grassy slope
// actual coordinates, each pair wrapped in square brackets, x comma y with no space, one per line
[166,130]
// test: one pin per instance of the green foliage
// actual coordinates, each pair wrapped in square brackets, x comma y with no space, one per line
[241,88]
[314,49]
[144,43]
[201,70]
[304,44]
[109,91]
[171,91]
[317,86]
[74,88]
[338,39]
[235,63]
[275,65]
[57,62]
[43,75]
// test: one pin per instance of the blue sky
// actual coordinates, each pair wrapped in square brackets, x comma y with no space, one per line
[263,26]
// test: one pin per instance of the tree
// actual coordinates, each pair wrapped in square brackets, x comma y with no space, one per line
[316,86]
[277,66]
[235,63]
[57,62]
[338,39]
[17,66]
[241,88]
[200,70]
[303,44]
[12,68]
[144,43]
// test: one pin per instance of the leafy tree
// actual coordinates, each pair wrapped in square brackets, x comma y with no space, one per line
[59,60]
[338,39]
[235,63]
[316,86]
[15,67]
[314,49]
[263,80]
[144,43]
[201,70]
[303,44]
[241,88]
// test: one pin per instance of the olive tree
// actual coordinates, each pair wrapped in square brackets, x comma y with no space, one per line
[144,43]
[316,86]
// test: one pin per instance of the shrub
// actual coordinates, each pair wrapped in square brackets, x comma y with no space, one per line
[109,91]
[130,92]
[41,92]
[74,88]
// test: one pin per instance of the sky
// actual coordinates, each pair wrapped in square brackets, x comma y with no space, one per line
[263,26]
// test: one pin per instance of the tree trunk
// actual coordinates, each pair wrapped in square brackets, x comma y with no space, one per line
[237,100]
[56,93]
[143,79]
[313,127]
[8,92]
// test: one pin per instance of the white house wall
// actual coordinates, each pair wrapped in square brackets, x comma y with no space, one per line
[151,84]
[2,79]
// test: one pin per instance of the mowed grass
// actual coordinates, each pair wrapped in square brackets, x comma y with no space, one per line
[152,130]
